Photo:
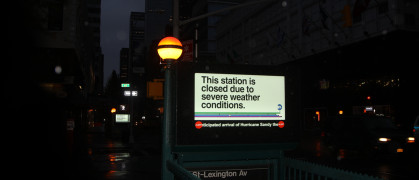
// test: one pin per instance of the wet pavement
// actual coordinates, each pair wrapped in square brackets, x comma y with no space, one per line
[99,156]
[387,167]
[114,158]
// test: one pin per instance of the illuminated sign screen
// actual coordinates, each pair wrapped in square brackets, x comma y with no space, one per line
[121,118]
[233,97]
[236,104]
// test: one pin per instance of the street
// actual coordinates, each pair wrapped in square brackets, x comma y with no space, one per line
[107,157]
[114,158]
[388,167]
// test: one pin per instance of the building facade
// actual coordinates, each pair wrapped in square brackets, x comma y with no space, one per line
[93,16]
[277,32]
[123,65]
[203,31]
[59,66]
[350,54]
[137,42]
[157,17]
[137,62]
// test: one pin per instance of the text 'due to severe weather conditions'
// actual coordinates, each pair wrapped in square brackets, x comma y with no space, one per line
[239,97]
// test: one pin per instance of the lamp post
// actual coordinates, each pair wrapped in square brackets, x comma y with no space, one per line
[169,49]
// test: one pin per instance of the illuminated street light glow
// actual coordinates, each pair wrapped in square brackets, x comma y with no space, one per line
[169,48]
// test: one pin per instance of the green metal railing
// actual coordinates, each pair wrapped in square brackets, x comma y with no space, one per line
[180,172]
[297,169]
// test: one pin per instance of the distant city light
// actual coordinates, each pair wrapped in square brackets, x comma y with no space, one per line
[369,108]
[130,93]
[383,139]
[134,93]
[284,3]
[318,115]
[411,140]
[58,69]
[122,107]
[125,85]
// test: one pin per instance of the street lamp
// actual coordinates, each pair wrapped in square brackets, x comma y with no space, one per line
[113,110]
[169,49]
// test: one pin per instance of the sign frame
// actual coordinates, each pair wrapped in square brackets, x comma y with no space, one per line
[217,97]
[187,134]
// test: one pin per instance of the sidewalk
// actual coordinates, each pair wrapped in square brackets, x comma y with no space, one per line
[115,158]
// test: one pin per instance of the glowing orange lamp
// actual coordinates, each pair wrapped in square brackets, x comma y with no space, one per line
[169,49]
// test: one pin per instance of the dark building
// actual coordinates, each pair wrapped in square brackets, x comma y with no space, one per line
[57,69]
[203,31]
[93,22]
[136,43]
[123,65]
[136,64]
[157,26]
[65,35]
[347,51]
[157,19]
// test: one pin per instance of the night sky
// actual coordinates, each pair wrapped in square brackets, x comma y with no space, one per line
[115,30]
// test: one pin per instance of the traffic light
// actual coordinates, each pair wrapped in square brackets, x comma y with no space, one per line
[113,110]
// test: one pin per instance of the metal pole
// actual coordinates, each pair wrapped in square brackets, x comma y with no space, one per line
[176,18]
[166,144]
[167,104]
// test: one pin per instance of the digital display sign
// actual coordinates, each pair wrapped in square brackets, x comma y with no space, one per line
[234,97]
[235,104]
[122,118]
